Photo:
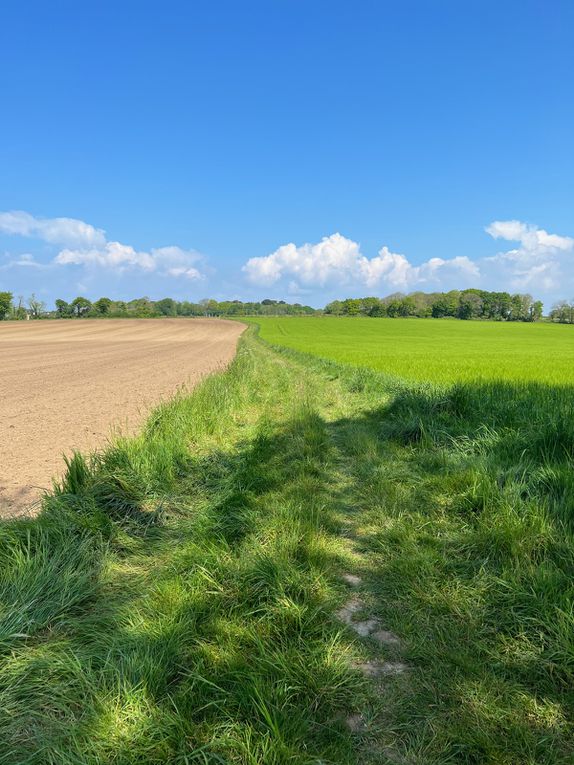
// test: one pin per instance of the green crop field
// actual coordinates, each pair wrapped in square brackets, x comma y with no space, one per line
[436,350]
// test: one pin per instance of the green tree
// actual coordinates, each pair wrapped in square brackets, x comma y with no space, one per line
[407,307]
[81,306]
[470,305]
[393,308]
[103,306]
[536,311]
[369,304]
[351,307]
[166,307]
[563,312]
[63,309]
[445,304]
[335,308]
[5,304]
[141,307]
[520,307]
[379,309]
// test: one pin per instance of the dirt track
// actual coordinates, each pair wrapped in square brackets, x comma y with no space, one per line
[65,384]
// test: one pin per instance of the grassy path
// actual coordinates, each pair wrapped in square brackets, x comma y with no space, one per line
[298,563]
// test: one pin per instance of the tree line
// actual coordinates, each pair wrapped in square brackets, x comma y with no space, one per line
[563,312]
[81,307]
[459,304]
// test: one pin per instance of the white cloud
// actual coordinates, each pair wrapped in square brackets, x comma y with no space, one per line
[87,246]
[63,231]
[338,260]
[531,238]
[112,255]
[26,260]
[189,273]
[542,261]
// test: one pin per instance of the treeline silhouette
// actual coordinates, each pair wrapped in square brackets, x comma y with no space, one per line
[458,304]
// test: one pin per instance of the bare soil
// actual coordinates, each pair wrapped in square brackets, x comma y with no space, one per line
[67,385]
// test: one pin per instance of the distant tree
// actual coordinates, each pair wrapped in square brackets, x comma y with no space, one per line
[185,308]
[103,306]
[119,308]
[351,307]
[166,307]
[141,308]
[466,304]
[18,312]
[440,308]
[469,306]
[368,304]
[37,307]
[81,306]
[520,307]
[446,304]
[497,305]
[378,309]
[209,307]
[5,304]
[394,308]
[334,308]
[407,307]
[563,312]
[423,303]
[63,309]
[535,313]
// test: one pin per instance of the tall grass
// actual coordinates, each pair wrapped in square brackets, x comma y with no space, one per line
[175,600]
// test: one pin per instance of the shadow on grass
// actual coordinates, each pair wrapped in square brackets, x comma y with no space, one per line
[201,634]
[195,624]
[464,504]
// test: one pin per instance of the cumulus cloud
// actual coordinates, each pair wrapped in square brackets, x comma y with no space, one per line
[178,262]
[112,255]
[338,260]
[530,237]
[62,231]
[85,245]
[541,261]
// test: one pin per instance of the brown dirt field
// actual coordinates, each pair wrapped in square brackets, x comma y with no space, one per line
[65,385]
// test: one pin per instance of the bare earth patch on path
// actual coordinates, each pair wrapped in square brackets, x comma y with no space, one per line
[64,385]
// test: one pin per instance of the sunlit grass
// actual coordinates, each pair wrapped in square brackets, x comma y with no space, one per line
[439,350]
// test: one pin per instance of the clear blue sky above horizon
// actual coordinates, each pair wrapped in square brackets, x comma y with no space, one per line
[217,149]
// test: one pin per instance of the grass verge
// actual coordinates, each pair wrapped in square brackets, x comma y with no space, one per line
[175,600]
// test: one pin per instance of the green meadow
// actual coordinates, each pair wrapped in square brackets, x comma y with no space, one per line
[305,562]
[439,350]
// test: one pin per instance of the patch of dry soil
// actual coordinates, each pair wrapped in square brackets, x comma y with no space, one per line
[64,385]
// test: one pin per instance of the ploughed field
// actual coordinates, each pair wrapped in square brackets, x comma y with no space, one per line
[65,384]
[437,350]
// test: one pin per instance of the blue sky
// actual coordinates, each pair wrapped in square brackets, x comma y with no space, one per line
[294,149]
